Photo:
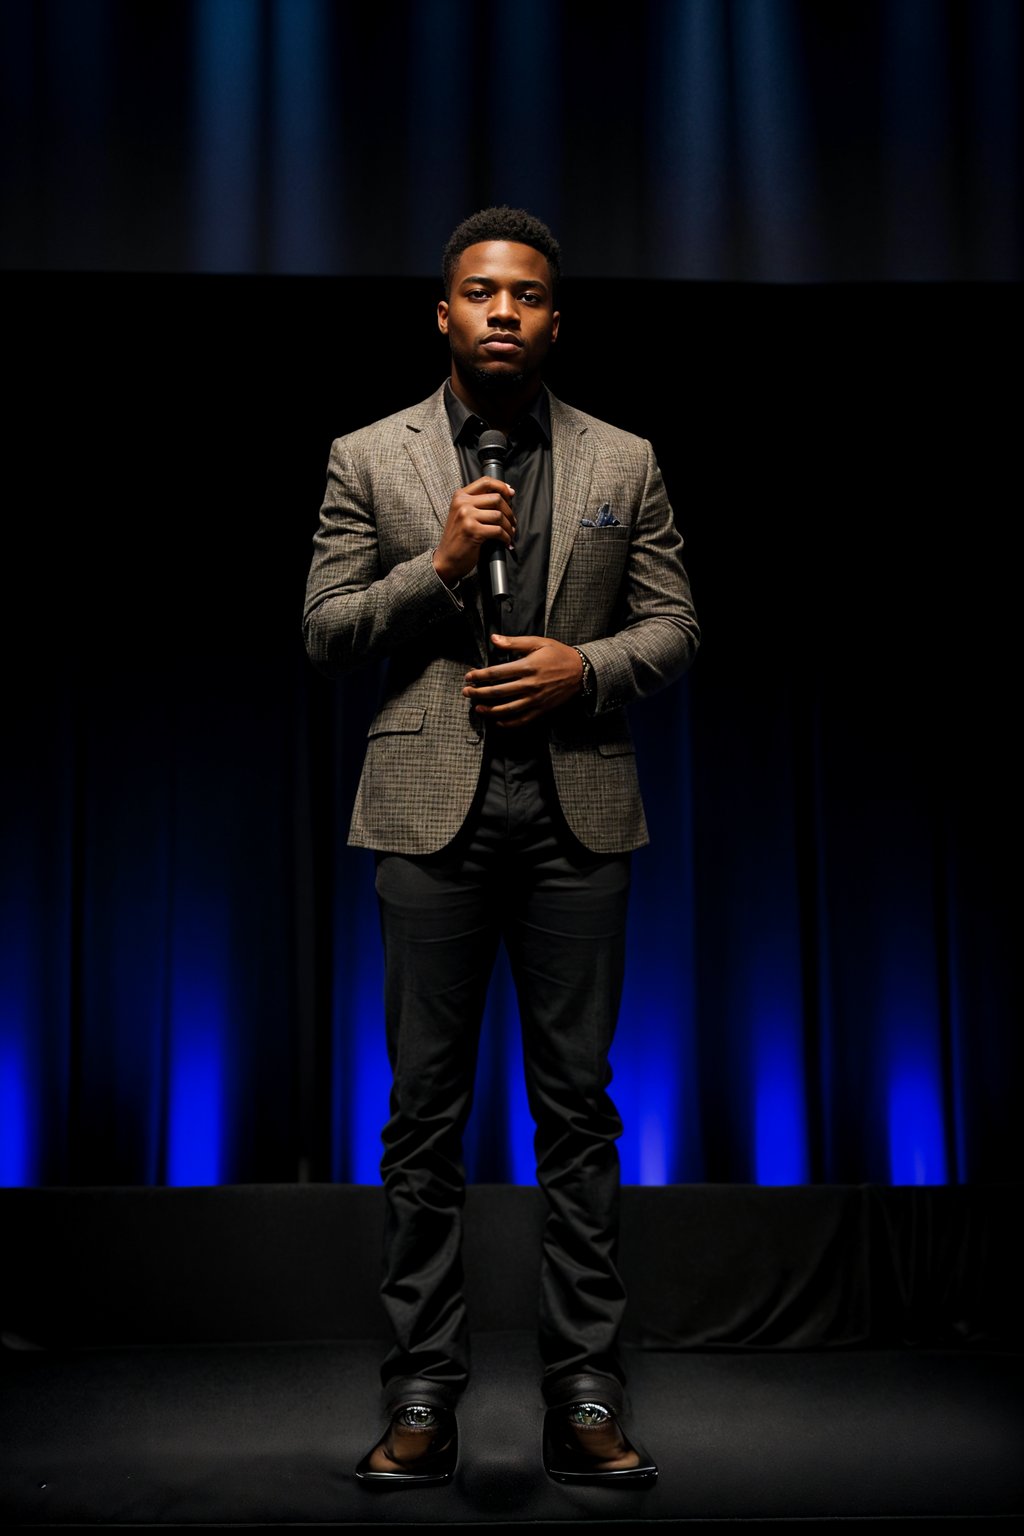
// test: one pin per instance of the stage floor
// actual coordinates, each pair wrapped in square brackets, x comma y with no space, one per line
[106,1424]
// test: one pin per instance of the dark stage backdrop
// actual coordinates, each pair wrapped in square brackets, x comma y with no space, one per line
[824,971]
[778,140]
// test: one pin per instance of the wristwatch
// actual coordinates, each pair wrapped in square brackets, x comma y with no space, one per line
[587,681]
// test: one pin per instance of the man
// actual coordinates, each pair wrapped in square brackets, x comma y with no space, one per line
[519,613]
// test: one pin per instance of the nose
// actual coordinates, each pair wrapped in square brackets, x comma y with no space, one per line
[504,311]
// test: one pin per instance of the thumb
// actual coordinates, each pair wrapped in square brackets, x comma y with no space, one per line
[518,642]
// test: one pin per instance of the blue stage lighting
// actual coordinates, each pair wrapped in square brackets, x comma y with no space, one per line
[367,1093]
[195,1120]
[780,1130]
[15,1138]
[917,1153]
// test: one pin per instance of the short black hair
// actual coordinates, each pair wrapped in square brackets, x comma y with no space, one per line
[500,223]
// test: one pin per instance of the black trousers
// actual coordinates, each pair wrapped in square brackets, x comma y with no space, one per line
[517,875]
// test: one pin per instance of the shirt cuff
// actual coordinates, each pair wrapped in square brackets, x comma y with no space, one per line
[453,592]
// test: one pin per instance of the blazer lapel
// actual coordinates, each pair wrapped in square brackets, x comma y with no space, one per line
[429,441]
[572,465]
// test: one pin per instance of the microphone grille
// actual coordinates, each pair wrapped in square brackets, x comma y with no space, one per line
[492,445]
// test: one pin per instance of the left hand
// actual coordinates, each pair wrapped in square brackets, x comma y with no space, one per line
[543,674]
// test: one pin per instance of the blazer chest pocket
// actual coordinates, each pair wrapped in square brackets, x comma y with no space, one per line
[396,720]
[601,548]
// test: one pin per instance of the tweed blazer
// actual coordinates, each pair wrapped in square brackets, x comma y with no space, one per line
[372,593]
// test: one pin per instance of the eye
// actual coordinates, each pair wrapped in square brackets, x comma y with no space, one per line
[530,297]
[476,293]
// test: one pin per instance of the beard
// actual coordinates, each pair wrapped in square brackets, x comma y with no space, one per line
[483,381]
[497,383]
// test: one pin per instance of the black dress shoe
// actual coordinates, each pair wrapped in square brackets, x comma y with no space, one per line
[420,1445]
[585,1443]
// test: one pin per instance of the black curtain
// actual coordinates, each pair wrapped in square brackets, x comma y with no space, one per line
[751,140]
[823,977]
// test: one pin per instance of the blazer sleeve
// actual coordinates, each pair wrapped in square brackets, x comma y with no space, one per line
[656,634]
[356,611]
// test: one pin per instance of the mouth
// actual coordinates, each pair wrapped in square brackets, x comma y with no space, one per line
[501,344]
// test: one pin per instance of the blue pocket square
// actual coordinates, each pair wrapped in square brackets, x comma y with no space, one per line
[605,519]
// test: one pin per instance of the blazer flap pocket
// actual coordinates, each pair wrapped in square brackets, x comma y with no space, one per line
[396,719]
[616,748]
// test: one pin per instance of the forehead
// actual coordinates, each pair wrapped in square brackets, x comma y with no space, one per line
[502,261]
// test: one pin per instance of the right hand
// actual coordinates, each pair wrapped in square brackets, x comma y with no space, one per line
[478,513]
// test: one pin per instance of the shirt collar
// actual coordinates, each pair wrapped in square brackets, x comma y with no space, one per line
[466,425]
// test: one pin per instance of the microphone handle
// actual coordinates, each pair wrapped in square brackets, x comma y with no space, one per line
[497,562]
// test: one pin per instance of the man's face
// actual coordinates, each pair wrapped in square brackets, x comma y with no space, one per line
[499,316]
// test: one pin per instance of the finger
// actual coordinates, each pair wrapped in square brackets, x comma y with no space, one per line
[484,533]
[498,692]
[470,503]
[489,503]
[506,719]
[517,685]
[516,708]
[489,483]
[489,524]
[504,672]
[499,515]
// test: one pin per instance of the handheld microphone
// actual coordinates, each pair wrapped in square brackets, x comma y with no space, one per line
[493,451]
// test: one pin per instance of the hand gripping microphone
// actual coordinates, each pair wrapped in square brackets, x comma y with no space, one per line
[493,451]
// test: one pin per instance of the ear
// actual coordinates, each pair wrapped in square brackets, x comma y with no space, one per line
[554,325]
[442,317]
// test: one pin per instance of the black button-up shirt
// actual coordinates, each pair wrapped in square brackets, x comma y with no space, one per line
[528,471]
